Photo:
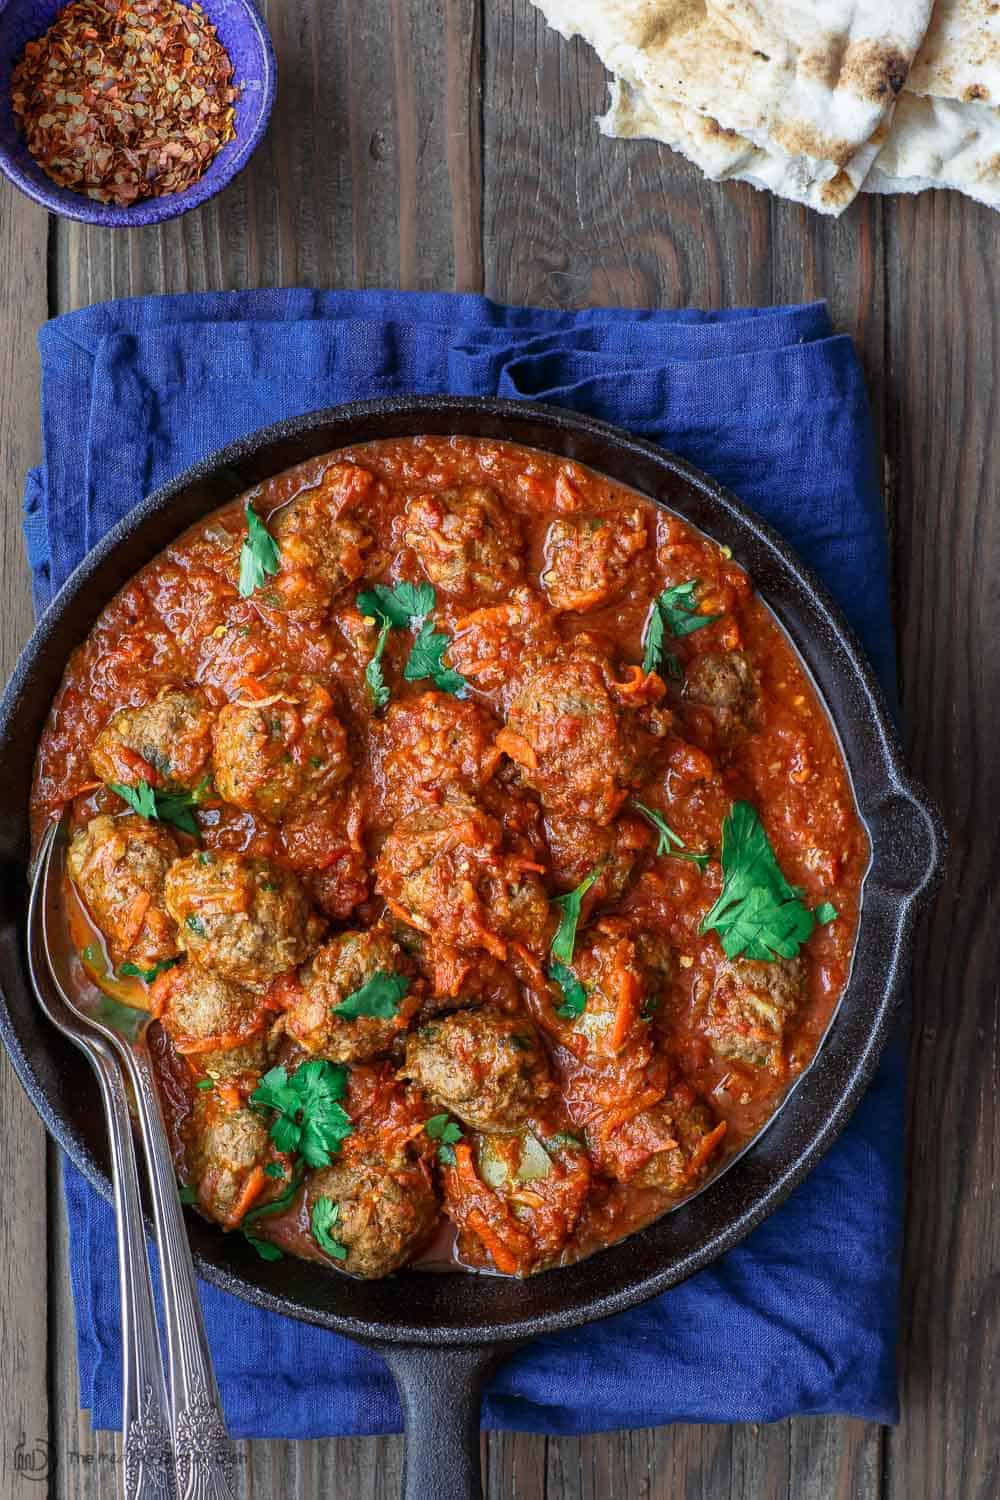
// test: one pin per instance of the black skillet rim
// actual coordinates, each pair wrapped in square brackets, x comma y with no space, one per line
[905,830]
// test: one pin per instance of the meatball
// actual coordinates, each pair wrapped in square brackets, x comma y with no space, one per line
[284,752]
[515,1199]
[624,974]
[342,967]
[497,647]
[227,1151]
[721,682]
[575,747]
[467,541]
[432,745]
[488,1068]
[749,1008]
[386,1212]
[667,1146]
[246,919]
[576,847]
[119,867]
[445,873]
[587,558]
[322,547]
[166,741]
[203,1013]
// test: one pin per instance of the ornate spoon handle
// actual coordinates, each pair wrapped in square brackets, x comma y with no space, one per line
[203,1453]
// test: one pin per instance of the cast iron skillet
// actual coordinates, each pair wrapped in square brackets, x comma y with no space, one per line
[443,1335]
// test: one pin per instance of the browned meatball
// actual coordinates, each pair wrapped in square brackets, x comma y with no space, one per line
[322,547]
[497,647]
[587,558]
[119,866]
[624,974]
[577,847]
[750,1006]
[244,918]
[202,1012]
[467,541]
[166,741]
[386,1212]
[488,1068]
[285,752]
[432,745]
[575,747]
[445,873]
[227,1151]
[722,683]
[667,1146]
[343,966]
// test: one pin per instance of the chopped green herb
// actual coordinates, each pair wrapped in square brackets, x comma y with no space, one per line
[670,843]
[195,925]
[186,1193]
[404,606]
[279,1204]
[757,913]
[325,1214]
[575,996]
[379,998]
[675,611]
[260,558]
[308,1115]
[826,912]
[442,1128]
[206,1083]
[425,661]
[204,858]
[374,676]
[276,1170]
[163,807]
[570,907]
[132,971]
[264,1248]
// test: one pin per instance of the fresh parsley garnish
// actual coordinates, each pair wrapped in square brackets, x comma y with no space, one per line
[570,906]
[379,998]
[425,661]
[374,676]
[675,611]
[260,557]
[186,1193]
[325,1214]
[164,807]
[406,607]
[194,924]
[758,913]
[670,843]
[205,1083]
[276,1170]
[264,1248]
[133,971]
[308,1115]
[442,1128]
[575,996]
[825,913]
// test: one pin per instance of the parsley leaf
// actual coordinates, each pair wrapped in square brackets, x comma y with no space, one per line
[425,661]
[276,1170]
[826,912]
[374,676]
[575,1001]
[670,843]
[379,998]
[675,611]
[309,1117]
[163,807]
[441,1128]
[186,1193]
[264,1248]
[405,605]
[569,906]
[132,971]
[325,1214]
[758,913]
[260,557]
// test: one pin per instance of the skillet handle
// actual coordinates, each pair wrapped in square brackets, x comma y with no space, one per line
[441,1392]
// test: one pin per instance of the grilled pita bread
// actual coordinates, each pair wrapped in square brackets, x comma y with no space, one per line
[940,143]
[960,56]
[811,81]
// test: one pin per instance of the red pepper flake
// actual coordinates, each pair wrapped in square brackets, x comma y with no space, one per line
[126,99]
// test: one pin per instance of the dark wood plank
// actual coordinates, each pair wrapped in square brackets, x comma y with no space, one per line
[944,424]
[23,239]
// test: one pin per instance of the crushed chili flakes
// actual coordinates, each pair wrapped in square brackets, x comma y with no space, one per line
[126,99]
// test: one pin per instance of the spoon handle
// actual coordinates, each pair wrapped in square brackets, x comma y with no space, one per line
[203,1453]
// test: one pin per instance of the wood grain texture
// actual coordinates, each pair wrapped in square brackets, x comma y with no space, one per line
[23,240]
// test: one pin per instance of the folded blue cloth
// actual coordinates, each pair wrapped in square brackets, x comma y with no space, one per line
[800,1318]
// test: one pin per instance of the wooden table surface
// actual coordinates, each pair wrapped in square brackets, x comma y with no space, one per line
[442,144]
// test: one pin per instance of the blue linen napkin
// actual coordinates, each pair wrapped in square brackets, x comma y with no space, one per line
[800,1318]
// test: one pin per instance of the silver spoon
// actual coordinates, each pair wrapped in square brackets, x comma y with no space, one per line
[204,1456]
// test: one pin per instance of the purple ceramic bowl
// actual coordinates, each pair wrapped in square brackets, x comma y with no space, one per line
[241,31]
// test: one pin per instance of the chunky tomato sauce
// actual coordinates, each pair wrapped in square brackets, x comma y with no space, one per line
[423,790]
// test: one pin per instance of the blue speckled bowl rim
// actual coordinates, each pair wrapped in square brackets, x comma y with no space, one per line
[26,175]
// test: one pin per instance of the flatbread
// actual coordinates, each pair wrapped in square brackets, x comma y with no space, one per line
[940,143]
[722,155]
[960,56]
[809,80]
